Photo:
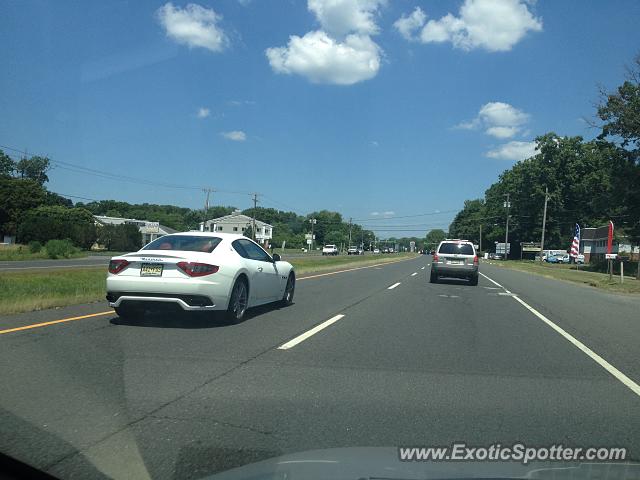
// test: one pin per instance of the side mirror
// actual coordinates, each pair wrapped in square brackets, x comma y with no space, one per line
[276,257]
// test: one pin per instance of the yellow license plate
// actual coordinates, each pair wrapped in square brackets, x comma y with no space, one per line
[151,270]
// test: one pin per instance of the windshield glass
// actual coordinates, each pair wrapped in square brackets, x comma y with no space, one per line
[351,239]
[186,243]
[459,248]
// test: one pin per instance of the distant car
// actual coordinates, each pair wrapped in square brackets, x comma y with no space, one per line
[376,250]
[564,258]
[552,259]
[385,250]
[329,250]
[580,258]
[455,258]
[198,271]
[354,251]
[391,250]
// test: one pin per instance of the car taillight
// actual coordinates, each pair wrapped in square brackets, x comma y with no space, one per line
[116,266]
[194,269]
[475,259]
[435,257]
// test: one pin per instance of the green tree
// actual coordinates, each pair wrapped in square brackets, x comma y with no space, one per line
[46,223]
[34,168]
[434,237]
[7,165]
[16,197]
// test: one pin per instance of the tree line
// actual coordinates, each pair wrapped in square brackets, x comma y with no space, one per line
[589,182]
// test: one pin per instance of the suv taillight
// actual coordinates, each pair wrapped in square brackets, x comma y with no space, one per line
[435,257]
[194,269]
[116,266]
[475,259]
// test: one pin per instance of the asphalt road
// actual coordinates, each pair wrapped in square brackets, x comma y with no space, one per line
[408,363]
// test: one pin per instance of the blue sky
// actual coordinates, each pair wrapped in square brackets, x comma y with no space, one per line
[371,108]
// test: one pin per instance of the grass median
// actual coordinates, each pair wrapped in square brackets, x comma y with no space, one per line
[569,273]
[26,291]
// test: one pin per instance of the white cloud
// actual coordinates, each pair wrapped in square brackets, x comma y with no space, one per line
[322,59]
[374,214]
[235,135]
[499,120]
[388,213]
[513,151]
[342,52]
[408,25]
[374,143]
[340,17]
[194,25]
[203,112]
[494,25]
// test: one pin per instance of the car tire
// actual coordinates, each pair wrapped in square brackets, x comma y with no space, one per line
[473,280]
[238,302]
[128,313]
[289,290]
[433,278]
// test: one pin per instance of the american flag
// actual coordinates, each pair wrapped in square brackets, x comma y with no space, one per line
[575,246]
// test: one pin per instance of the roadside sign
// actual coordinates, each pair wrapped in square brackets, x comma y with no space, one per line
[308,241]
[611,256]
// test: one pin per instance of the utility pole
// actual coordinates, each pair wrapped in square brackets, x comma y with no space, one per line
[544,220]
[208,191]
[312,221]
[253,217]
[350,224]
[507,204]
[480,245]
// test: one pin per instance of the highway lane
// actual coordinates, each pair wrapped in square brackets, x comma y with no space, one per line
[416,364]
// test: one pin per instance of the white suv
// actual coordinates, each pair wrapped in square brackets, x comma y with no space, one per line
[457,259]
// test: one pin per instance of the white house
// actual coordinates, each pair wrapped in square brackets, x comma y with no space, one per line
[150,230]
[238,223]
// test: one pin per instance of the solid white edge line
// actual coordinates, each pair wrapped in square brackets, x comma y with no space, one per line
[393,286]
[491,280]
[621,377]
[414,274]
[309,333]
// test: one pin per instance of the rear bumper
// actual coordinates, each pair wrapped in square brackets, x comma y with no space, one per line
[192,303]
[456,271]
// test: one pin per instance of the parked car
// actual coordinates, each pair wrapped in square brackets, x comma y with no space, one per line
[552,259]
[329,250]
[198,271]
[580,258]
[376,250]
[455,258]
[564,258]
[355,251]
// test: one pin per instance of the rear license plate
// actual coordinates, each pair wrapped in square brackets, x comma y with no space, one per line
[151,270]
[456,262]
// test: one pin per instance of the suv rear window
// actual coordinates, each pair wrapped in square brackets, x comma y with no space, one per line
[454,247]
[185,243]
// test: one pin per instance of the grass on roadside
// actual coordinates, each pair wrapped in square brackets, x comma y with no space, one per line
[570,274]
[28,290]
[21,252]
[316,264]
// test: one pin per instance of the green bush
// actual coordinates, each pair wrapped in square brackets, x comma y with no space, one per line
[60,248]
[35,246]
[56,222]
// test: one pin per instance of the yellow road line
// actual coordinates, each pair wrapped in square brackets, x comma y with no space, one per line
[53,322]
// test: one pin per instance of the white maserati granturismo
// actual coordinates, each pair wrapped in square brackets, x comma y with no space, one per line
[199,271]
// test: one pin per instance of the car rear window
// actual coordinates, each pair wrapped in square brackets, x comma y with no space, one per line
[185,243]
[459,248]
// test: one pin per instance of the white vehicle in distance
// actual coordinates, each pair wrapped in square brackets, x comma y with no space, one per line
[376,250]
[355,251]
[329,250]
[199,271]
